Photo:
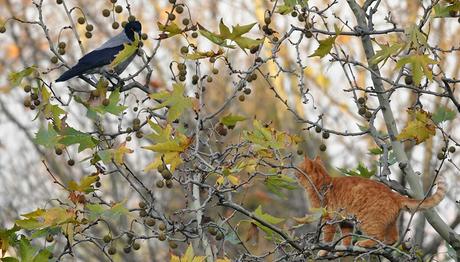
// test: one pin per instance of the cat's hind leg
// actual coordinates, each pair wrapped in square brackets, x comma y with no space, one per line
[375,230]
[392,234]
[346,240]
[328,236]
[346,230]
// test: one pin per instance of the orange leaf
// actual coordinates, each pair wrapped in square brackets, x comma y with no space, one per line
[12,51]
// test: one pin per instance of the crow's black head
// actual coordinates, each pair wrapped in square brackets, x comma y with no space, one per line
[132,27]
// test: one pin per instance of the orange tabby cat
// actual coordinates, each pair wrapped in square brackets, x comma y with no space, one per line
[375,206]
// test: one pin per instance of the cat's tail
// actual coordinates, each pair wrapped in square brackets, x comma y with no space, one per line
[429,202]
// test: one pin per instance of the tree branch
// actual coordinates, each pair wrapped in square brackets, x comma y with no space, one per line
[414,181]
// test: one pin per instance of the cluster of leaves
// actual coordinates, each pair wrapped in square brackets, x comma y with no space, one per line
[168,143]
[418,63]
[226,36]
[422,124]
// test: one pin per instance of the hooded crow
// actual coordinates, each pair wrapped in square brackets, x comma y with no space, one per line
[97,60]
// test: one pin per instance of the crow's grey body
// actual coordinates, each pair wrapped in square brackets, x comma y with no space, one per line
[97,61]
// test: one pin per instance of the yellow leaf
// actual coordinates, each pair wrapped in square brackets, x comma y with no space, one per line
[199,259]
[220,180]
[168,146]
[234,180]
[223,260]
[127,51]
[420,128]
[84,185]
[174,258]
[307,219]
[34,214]
[175,101]
[324,47]
[189,254]
[173,159]
[57,215]
[119,153]
[69,229]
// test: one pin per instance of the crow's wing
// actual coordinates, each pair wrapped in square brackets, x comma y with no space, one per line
[117,40]
[92,60]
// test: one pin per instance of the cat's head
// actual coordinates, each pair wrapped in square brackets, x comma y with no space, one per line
[312,165]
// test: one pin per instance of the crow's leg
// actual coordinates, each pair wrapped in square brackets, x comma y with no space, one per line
[110,75]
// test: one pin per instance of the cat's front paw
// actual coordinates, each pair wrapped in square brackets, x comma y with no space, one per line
[323,253]
[366,243]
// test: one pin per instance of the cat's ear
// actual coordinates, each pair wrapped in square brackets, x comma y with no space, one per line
[318,160]
[306,164]
[306,161]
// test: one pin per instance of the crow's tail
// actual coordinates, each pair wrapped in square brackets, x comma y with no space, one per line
[72,72]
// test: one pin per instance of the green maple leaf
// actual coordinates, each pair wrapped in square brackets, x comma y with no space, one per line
[53,112]
[224,30]
[113,107]
[284,9]
[441,10]
[70,136]
[114,212]
[48,110]
[235,35]
[231,120]
[275,183]
[416,37]
[443,114]
[247,43]
[265,138]
[15,78]
[7,236]
[242,41]
[240,30]
[105,156]
[213,37]
[289,5]
[363,171]
[172,28]
[385,52]
[420,128]
[196,55]
[175,101]
[47,137]
[26,250]
[267,218]
[419,65]
[324,47]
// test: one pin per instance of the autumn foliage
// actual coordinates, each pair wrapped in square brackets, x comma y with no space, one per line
[193,153]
